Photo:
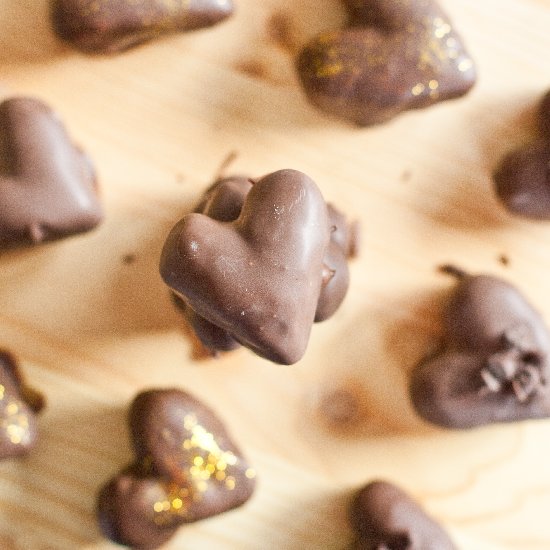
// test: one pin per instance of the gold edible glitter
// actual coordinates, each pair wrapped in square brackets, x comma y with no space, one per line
[331,69]
[465,65]
[418,89]
[14,422]
[207,463]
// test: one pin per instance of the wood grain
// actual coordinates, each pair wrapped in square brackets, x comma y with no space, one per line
[92,330]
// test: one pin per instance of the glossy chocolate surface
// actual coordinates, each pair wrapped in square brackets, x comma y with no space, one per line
[522,179]
[396,55]
[494,364]
[263,276]
[108,26]
[18,407]
[48,186]
[187,468]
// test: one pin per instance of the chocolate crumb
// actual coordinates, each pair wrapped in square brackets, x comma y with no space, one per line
[504,260]
[128,259]
[253,68]
[449,269]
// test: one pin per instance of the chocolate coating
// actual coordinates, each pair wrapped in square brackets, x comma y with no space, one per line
[544,116]
[187,468]
[258,277]
[386,518]
[108,26]
[126,510]
[335,282]
[522,179]
[396,55]
[213,338]
[223,201]
[494,365]
[18,405]
[48,187]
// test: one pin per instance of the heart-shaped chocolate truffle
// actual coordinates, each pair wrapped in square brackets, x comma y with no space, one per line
[187,469]
[386,518]
[107,26]
[18,405]
[395,56]
[260,276]
[494,366]
[223,201]
[47,185]
[522,179]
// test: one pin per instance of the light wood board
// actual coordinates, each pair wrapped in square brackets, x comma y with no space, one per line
[91,330]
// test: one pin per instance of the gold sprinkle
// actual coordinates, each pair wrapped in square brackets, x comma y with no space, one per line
[465,65]
[158,507]
[189,422]
[202,486]
[230,483]
[2,390]
[433,84]
[230,458]
[205,474]
[198,461]
[331,69]
[250,473]
[12,409]
[418,89]
[442,30]
[177,503]
[220,476]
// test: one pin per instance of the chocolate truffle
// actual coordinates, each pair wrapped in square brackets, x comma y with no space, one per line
[108,26]
[187,468]
[494,363]
[522,179]
[48,186]
[395,55]
[386,518]
[18,407]
[261,262]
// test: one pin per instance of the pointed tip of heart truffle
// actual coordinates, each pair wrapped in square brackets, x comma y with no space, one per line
[384,516]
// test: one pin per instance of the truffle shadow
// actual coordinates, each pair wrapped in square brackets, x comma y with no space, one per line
[80,447]
[491,127]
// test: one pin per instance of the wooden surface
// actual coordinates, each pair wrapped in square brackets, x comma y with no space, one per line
[92,330]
